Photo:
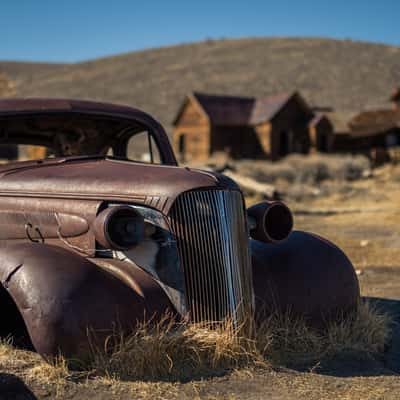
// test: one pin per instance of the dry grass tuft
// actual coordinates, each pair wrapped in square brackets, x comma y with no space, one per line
[55,373]
[289,340]
[173,351]
[366,331]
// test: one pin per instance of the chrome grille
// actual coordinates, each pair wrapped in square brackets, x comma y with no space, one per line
[210,228]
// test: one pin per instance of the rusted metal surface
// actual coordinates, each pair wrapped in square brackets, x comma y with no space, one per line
[305,274]
[272,221]
[107,179]
[61,295]
[63,272]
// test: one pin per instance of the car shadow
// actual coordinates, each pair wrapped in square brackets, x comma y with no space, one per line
[13,388]
[392,353]
[350,366]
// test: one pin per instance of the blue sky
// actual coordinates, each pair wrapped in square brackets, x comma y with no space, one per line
[74,30]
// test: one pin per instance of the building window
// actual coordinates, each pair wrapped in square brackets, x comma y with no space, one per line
[182,146]
[285,143]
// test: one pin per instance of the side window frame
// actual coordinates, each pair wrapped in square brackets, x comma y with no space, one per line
[120,148]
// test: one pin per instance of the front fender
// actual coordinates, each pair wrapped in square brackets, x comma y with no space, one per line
[61,294]
[305,274]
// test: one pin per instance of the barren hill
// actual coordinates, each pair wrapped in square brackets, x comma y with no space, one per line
[342,74]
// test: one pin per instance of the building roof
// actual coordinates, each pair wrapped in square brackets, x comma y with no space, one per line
[340,121]
[237,110]
[267,107]
[318,117]
[376,121]
[226,110]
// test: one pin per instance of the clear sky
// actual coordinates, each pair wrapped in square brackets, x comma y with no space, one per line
[74,30]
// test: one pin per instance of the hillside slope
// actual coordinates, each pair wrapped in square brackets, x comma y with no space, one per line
[342,74]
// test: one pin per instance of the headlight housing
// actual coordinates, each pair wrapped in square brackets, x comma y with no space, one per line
[119,228]
[270,222]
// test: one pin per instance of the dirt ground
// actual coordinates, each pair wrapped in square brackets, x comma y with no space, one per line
[365,222]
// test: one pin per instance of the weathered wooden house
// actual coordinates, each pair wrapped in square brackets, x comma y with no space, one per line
[377,131]
[322,136]
[243,127]
[371,132]
[395,98]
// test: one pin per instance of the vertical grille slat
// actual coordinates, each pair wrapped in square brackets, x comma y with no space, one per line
[213,247]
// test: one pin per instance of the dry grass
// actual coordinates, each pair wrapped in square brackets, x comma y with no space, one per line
[176,352]
[153,361]
[173,351]
[288,340]
[55,373]
[310,169]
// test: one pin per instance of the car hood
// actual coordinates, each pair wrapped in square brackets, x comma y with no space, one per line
[102,178]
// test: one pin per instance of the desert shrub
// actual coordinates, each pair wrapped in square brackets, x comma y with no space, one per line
[266,171]
[310,169]
[291,341]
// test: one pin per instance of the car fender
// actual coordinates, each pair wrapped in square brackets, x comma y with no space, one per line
[60,295]
[305,274]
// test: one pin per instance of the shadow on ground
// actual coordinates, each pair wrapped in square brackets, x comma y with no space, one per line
[392,354]
[350,366]
[13,388]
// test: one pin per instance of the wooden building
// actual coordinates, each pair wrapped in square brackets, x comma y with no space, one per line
[322,137]
[243,127]
[372,132]
[395,98]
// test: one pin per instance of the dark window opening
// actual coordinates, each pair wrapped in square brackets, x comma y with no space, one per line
[322,143]
[182,147]
[284,145]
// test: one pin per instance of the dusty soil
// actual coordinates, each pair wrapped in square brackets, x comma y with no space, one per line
[364,223]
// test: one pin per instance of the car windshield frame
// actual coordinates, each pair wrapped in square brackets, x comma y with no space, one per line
[127,119]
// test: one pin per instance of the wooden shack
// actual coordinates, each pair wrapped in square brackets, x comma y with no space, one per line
[371,132]
[395,98]
[322,138]
[243,127]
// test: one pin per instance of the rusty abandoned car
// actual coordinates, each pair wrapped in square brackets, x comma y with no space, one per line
[107,229]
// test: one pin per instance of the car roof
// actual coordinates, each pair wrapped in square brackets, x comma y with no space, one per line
[18,106]
[41,107]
